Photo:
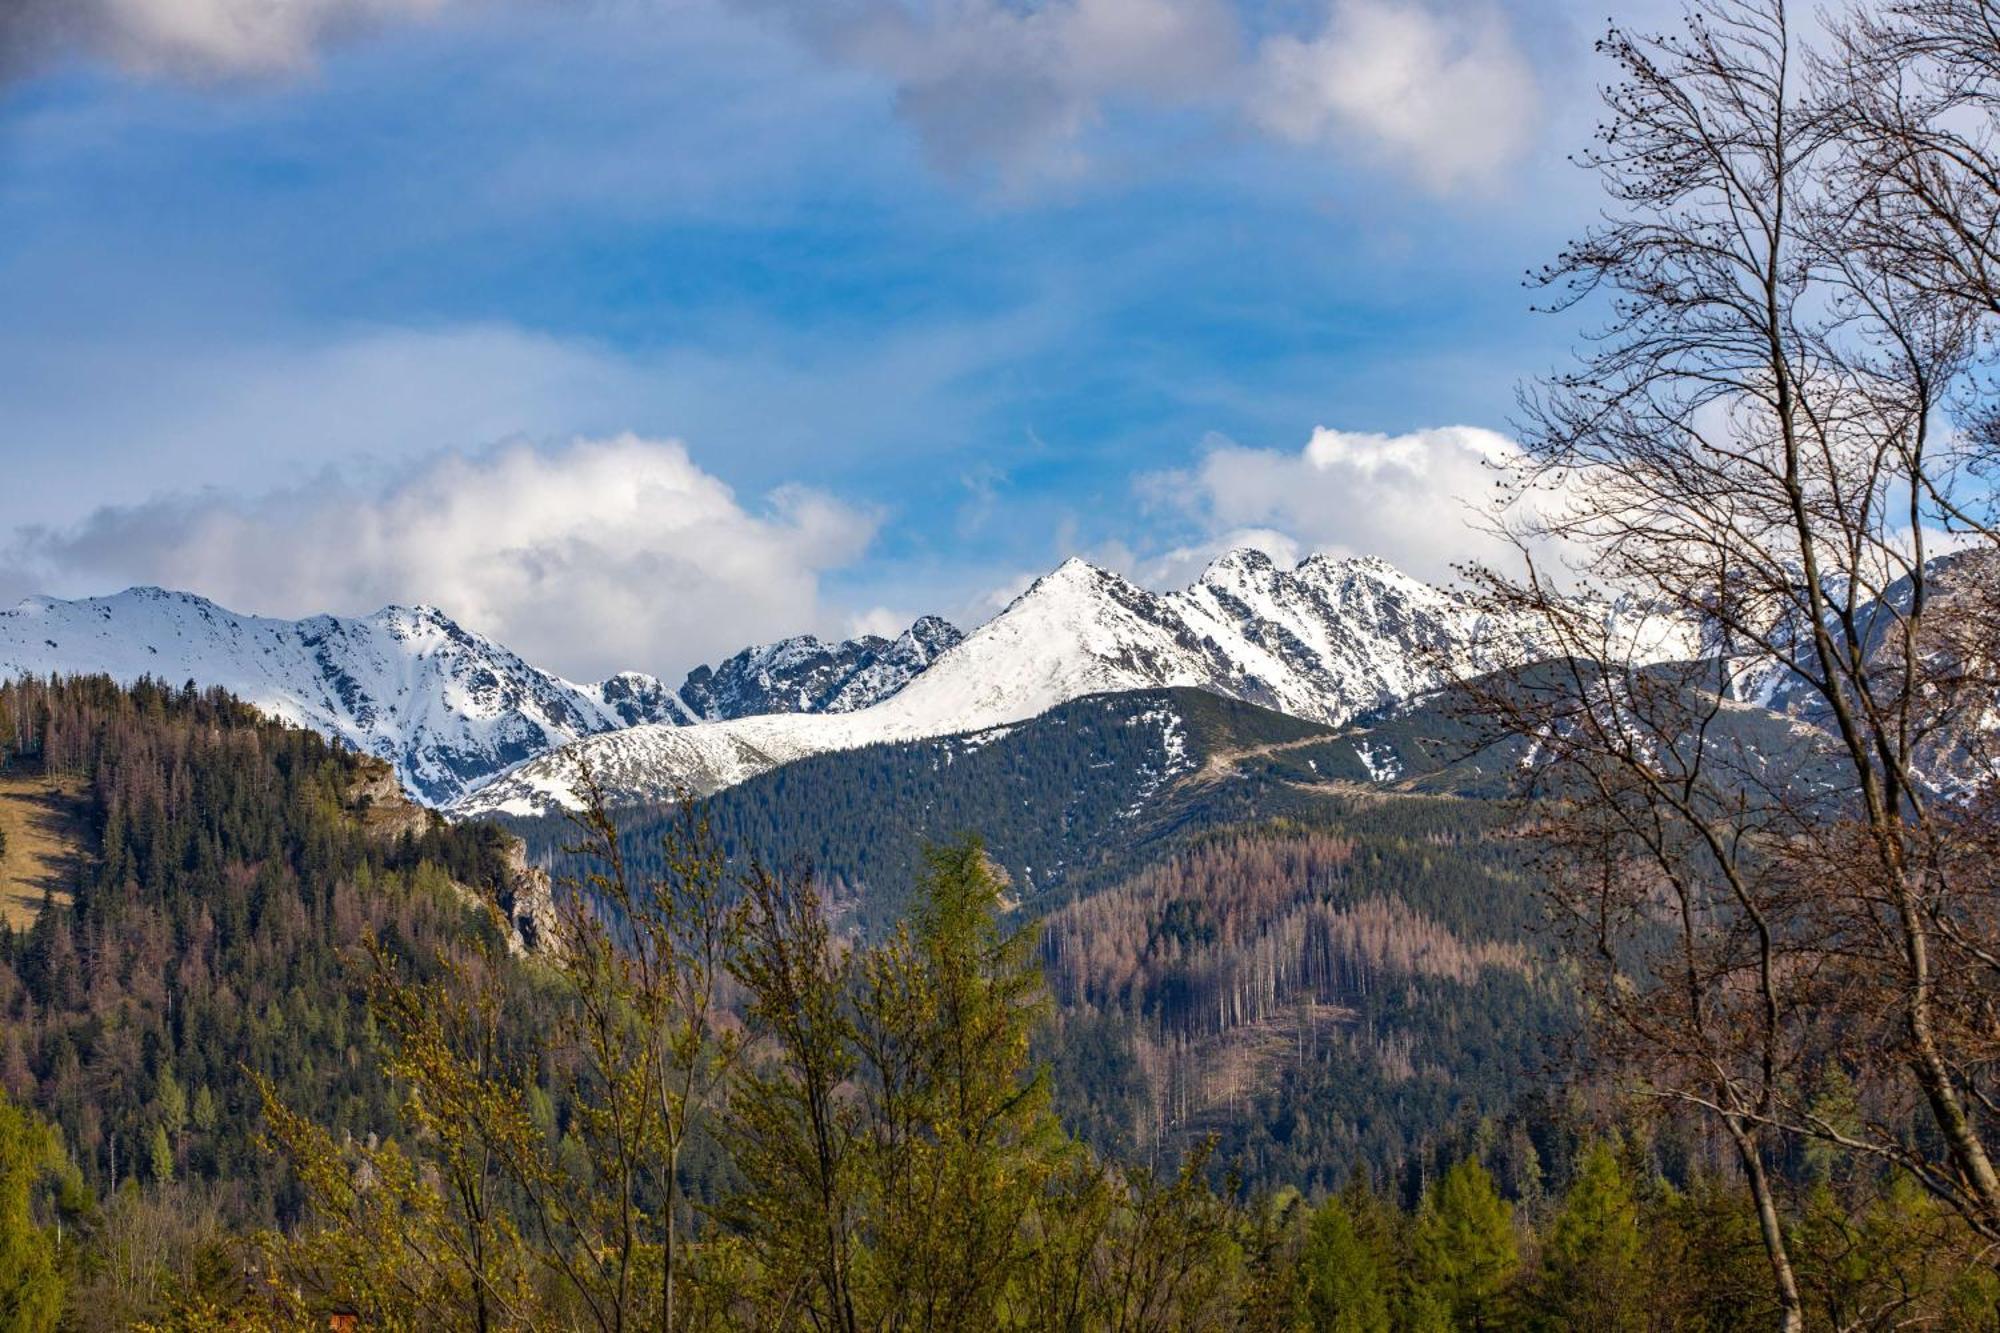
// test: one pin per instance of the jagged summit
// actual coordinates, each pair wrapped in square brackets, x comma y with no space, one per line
[1238,559]
[807,674]
[449,707]
[1326,641]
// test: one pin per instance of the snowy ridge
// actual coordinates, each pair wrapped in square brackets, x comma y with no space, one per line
[473,728]
[1325,641]
[448,707]
[809,675]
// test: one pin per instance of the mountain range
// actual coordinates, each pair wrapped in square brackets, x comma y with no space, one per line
[1325,641]
[473,728]
[450,708]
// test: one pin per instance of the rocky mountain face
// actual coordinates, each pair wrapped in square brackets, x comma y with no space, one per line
[449,708]
[809,675]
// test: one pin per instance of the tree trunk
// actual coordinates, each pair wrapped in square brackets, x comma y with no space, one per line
[1791,1311]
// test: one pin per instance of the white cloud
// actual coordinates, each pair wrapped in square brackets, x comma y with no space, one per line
[197,39]
[995,88]
[1421,501]
[250,415]
[1183,565]
[879,621]
[603,555]
[1445,93]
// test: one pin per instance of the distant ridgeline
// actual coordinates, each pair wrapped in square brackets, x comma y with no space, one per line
[1306,942]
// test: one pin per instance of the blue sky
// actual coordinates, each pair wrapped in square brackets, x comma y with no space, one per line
[632,330]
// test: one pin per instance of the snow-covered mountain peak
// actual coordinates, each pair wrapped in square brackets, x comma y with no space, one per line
[1238,563]
[1073,577]
[1326,640]
[807,674]
[448,706]
[933,633]
[424,623]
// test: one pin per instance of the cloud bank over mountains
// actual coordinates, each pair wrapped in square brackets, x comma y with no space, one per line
[624,553]
[599,556]
[994,89]
[1424,501]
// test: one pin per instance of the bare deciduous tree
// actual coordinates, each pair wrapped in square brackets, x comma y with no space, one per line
[1751,448]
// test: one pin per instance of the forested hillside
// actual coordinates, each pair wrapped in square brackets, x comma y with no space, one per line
[230,871]
[1244,934]
[222,1109]
[1361,990]
[1068,801]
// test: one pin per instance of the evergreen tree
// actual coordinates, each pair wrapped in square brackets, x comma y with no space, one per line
[1346,1284]
[1883,1253]
[1465,1249]
[160,1155]
[173,1103]
[205,1113]
[1592,1263]
[962,1137]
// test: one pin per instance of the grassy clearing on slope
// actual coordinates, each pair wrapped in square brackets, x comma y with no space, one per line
[43,830]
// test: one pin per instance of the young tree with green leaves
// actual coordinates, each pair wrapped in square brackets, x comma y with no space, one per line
[1593,1262]
[647,962]
[792,1127]
[494,1215]
[1464,1248]
[1348,1284]
[31,1280]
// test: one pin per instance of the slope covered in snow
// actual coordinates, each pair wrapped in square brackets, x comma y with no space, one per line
[1325,641]
[448,707]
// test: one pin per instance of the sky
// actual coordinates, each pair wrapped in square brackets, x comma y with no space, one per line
[630,332]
